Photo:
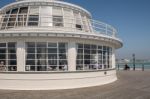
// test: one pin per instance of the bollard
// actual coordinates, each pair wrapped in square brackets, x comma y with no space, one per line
[133,61]
[118,67]
[143,67]
[134,67]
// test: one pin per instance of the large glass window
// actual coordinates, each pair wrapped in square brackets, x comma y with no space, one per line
[91,57]
[5,20]
[15,18]
[57,17]
[58,21]
[22,16]
[12,18]
[33,19]
[43,56]
[8,60]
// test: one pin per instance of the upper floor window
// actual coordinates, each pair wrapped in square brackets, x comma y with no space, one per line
[58,21]
[46,16]
[33,19]
[23,10]
[57,17]
[12,18]
[78,21]
[22,16]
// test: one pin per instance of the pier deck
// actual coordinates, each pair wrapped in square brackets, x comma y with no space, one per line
[130,85]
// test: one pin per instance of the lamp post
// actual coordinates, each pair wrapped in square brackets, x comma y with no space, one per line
[133,61]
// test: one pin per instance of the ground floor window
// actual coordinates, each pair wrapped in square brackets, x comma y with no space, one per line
[8,56]
[92,57]
[46,56]
[49,56]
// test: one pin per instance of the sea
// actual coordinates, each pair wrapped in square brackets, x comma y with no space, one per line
[137,65]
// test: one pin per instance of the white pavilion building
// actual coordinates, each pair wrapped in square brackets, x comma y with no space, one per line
[52,44]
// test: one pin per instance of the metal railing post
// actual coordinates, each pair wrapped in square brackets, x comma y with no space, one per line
[142,67]
[133,61]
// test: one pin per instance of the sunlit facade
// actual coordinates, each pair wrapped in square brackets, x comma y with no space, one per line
[52,41]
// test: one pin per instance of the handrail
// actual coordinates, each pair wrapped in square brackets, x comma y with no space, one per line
[66,23]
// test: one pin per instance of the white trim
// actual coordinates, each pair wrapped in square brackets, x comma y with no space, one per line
[117,42]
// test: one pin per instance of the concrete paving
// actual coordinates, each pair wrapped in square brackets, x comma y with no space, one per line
[130,85]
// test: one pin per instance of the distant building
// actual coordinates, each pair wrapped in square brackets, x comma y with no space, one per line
[51,44]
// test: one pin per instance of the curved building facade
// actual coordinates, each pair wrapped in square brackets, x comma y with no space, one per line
[51,44]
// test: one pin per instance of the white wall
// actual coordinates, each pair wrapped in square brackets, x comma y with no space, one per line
[51,81]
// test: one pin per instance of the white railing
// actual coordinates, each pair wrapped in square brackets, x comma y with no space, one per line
[65,23]
[103,28]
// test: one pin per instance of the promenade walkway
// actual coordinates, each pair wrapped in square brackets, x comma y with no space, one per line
[130,85]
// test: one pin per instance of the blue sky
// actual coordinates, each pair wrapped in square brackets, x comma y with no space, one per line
[130,17]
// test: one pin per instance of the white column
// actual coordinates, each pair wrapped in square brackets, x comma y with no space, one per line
[20,56]
[113,58]
[72,53]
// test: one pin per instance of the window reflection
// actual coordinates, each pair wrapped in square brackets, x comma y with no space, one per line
[5,20]
[8,60]
[91,57]
[43,56]
[12,18]
[52,44]
[22,17]
[33,20]
[58,21]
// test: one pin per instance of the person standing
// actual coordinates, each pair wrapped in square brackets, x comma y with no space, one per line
[2,66]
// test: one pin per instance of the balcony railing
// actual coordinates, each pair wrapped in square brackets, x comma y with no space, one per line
[64,23]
